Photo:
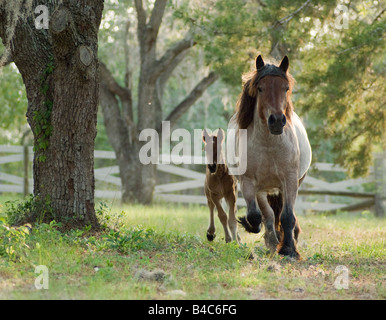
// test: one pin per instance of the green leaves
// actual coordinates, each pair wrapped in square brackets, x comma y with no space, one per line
[340,89]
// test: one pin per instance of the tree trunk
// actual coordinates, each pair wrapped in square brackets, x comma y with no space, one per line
[60,71]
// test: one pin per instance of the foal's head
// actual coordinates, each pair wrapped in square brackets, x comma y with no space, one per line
[213,149]
[268,90]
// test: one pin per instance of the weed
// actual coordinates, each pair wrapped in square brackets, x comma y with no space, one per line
[31,210]
[13,242]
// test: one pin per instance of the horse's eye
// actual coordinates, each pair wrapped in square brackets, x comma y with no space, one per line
[259,89]
[286,89]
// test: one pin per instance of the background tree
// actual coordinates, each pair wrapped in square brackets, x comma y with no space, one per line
[59,67]
[123,120]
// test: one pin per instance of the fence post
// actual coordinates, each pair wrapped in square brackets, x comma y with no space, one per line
[380,183]
[26,164]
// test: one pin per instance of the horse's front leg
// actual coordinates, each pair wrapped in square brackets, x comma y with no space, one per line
[270,236]
[252,221]
[288,220]
[210,233]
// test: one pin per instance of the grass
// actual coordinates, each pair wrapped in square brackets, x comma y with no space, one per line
[161,252]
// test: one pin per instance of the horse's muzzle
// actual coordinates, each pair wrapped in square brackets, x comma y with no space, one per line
[212,168]
[276,123]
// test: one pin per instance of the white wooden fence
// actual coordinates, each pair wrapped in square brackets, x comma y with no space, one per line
[315,194]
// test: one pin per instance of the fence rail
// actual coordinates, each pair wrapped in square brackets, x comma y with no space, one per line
[315,194]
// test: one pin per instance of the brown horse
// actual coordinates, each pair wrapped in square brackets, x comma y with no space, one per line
[277,152]
[219,184]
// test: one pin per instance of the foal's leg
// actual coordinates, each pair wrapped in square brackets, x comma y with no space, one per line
[232,222]
[252,221]
[210,233]
[288,221]
[270,237]
[223,219]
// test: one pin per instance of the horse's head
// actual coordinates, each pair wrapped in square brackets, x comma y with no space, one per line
[272,88]
[213,148]
[269,90]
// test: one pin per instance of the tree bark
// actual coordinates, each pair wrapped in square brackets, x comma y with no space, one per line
[59,67]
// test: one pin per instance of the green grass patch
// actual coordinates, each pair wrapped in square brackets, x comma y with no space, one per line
[161,252]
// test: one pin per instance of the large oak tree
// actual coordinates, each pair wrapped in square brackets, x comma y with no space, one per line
[59,66]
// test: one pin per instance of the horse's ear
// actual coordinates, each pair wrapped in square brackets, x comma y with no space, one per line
[220,136]
[284,64]
[259,62]
[205,135]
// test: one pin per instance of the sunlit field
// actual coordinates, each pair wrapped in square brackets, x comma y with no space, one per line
[161,252]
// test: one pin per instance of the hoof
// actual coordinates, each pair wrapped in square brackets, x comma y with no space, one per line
[210,236]
[289,252]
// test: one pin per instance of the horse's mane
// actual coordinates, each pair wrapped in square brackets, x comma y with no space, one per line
[247,100]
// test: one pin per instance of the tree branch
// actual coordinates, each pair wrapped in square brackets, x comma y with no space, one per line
[128,73]
[171,54]
[141,14]
[164,77]
[156,17]
[124,94]
[291,15]
[194,95]
[378,15]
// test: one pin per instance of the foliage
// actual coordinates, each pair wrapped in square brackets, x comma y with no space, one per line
[31,210]
[347,93]
[13,241]
[13,104]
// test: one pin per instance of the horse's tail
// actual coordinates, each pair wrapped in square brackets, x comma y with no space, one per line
[248,227]
[276,203]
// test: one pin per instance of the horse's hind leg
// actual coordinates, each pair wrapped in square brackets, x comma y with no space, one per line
[232,221]
[276,203]
[223,219]
[210,234]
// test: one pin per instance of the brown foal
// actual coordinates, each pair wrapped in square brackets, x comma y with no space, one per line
[219,184]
